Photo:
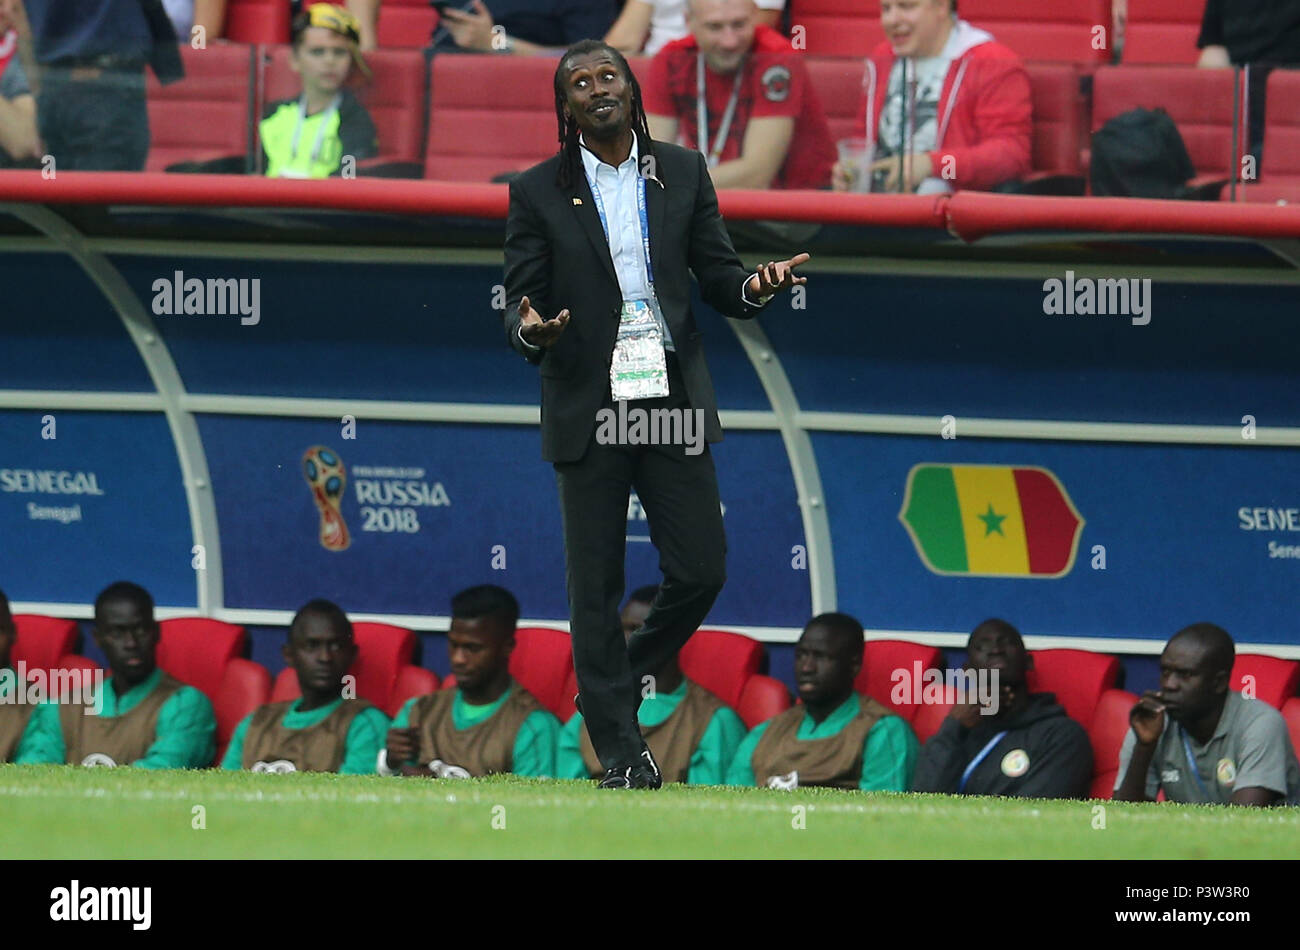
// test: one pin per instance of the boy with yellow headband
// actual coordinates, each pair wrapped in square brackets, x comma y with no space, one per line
[309,136]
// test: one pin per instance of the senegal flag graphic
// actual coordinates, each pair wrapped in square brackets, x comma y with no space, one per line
[991,520]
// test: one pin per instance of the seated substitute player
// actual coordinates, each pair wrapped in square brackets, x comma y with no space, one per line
[14,716]
[320,731]
[740,94]
[488,723]
[1201,742]
[309,136]
[836,738]
[1028,748]
[691,733]
[147,719]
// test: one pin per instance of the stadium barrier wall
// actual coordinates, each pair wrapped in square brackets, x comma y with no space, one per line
[183,436]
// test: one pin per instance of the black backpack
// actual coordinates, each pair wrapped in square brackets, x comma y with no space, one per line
[1140,154]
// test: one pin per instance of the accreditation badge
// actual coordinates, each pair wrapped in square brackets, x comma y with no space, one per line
[639,369]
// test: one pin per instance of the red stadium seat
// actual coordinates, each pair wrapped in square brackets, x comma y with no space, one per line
[1200,101]
[880,658]
[203,117]
[245,685]
[1077,677]
[542,661]
[412,681]
[1274,680]
[839,87]
[1051,32]
[1163,31]
[393,97]
[196,651]
[406,23]
[1060,121]
[762,698]
[1109,727]
[837,27]
[721,662]
[489,114]
[257,21]
[42,641]
[928,719]
[1291,713]
[1279,175]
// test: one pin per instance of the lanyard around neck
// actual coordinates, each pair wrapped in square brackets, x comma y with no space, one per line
[702,112]
[974,763]
[1191,763]
[641,211]
[320,128]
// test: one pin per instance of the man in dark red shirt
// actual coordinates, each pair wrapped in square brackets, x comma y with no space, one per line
[736,91]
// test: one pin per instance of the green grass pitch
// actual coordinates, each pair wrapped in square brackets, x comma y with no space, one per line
[56,812]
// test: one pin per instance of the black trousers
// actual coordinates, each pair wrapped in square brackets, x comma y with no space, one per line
[679,493]
[94,122]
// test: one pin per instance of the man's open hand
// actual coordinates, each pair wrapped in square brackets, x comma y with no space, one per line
[537,331]
[775,276]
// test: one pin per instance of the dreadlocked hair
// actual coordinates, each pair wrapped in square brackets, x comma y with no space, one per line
[571,159]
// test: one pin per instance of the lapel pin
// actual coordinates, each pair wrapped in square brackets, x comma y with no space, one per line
[577,201]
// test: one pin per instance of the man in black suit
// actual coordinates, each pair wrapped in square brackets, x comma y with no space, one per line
[612,267]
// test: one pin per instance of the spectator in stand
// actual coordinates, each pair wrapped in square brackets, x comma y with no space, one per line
[211,15]
[1201,742]
[647,26]
[967,122]
[1025,746]
[738,92]
[87,69]
[1261,34]
[522,27]
[835,738]
[19,143]
[310,135]
[146,718]
[692,734]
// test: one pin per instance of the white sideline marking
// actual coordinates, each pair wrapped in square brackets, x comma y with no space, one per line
[674,803]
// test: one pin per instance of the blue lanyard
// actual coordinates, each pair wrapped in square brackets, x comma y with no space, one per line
[1191,764]
[984,752]
[640,207]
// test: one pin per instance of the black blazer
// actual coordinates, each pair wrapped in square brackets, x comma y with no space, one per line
[556,255]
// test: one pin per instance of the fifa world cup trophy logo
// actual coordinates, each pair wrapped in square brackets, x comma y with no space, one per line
[327,478]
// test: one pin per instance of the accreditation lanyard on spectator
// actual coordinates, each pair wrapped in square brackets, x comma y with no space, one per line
[332,108]
[702,112]
[639,368]
[1191,764]
[974,763]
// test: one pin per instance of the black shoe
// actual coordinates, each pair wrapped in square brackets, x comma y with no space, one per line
[650,767]
[630,776]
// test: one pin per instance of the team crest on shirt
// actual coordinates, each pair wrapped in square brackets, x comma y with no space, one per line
[98,760]
[787,782]
[1015,763]
[278,767]
[1226,771]
[776,83]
